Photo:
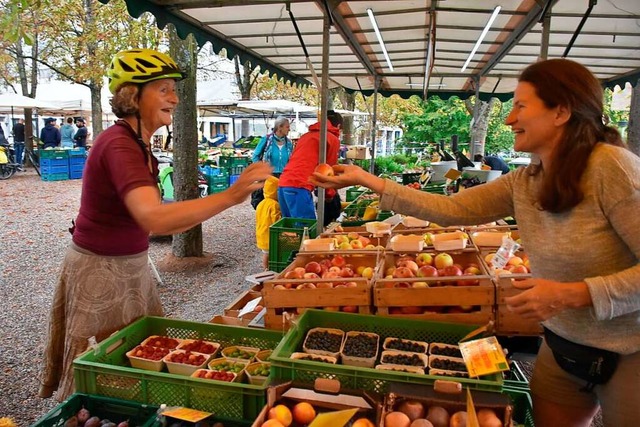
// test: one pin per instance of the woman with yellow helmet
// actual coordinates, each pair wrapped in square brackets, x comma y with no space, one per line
[105,282]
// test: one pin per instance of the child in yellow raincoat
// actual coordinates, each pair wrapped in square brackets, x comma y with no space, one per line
[267,213]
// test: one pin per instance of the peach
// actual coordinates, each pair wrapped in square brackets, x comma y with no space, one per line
[282,414]
[272,423]
[303,413]
[362,422]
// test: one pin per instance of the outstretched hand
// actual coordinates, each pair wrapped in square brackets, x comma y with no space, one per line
[251,179]
[347,175]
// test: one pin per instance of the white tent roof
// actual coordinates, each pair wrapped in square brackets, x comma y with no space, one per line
[16,101]
[71,99]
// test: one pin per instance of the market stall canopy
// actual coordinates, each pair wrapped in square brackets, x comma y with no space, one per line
[428,42]
[255,109]
[15,101]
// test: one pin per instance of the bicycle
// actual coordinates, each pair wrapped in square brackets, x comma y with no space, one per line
[33,156]
[8,165]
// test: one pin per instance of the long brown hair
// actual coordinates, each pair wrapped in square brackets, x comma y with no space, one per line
[561,82]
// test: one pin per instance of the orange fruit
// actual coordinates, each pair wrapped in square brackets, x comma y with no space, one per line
[303,413]
[282,414]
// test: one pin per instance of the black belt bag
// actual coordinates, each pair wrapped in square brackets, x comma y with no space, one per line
[594,365]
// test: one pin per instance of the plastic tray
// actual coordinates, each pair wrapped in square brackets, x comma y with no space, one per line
[183,368]
[115,410]
[263,355]
[406,243]
[433,358]
[401,368]
[256,379]
[450,374]
[214,365]
[105,370]
[434,347]
[196,374]
[351,377]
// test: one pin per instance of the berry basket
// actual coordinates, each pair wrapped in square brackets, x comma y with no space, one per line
[352,377]
[105,369]
[115,410]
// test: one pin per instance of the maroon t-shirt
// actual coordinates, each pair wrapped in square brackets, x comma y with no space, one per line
[116,165]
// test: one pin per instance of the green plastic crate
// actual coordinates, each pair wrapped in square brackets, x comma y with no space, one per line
[106,371]
[356,378]
[217,183]
[278,266]
[355,192]
[115,410]
[55,176]
[53,154]
[522,406]
[285,237]
[232,161]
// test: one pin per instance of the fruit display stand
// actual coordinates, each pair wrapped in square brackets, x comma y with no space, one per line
[284,367]
[115,410]
[465,299]
[285,237]
[105,370]
[291,295]
[508,322]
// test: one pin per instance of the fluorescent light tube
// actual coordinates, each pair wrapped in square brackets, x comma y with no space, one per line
[379,36]
[494,15]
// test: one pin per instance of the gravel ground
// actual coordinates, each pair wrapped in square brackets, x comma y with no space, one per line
[36,216]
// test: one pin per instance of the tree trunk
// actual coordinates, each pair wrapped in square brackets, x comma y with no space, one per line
[244,82]
[348,103]
[633,127]
[480,125]
[96,108]
[185,147]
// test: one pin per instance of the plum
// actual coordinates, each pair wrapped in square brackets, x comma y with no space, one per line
[92,422]
[83,415]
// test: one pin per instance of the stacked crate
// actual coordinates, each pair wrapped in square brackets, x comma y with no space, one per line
[285,237]
[217,178]
[77,159]
[54,165]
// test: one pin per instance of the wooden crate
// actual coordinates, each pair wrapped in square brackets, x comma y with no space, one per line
[356,298]
[507,322]
[233,309]
[442,300]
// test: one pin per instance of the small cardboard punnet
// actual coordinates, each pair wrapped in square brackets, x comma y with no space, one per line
[327,398]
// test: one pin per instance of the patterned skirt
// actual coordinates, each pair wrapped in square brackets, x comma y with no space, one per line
[95,296]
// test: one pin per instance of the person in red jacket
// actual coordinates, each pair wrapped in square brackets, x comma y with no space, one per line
[295,193]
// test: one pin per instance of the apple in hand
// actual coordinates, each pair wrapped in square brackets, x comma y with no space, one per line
[324,169]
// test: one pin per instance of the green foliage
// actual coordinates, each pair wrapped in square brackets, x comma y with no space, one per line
[499,135]
[440,119]
[615,116]
[396,163]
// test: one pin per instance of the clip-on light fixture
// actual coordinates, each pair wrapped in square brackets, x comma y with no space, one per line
[493,17]
[379,36]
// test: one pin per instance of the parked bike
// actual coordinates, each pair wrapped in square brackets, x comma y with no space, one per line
[8,165]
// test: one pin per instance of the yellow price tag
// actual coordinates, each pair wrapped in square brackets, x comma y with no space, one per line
[333,419]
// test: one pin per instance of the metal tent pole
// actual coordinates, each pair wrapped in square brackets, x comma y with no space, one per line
[374,119]
[324,106]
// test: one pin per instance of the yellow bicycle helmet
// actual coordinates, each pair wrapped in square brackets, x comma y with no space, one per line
[141,66]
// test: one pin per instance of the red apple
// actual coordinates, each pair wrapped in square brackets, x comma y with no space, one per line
[411,265]
[350,309]
[403,285]
[404,258]
[472,269]
[306,286]
[351,284]
[452,270]
[330,275]
[395,310]
[468,282]
[313,267]
[346,272]
[519,269]
[324,285]
[402,272]
[324,169]
[427,271]
[310,276]
[338,261]
[410,309]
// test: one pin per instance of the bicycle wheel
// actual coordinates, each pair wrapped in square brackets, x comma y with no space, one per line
[6,171]
[34,160]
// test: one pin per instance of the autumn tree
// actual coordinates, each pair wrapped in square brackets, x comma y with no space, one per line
[480,123]
[245,79]
[81,37]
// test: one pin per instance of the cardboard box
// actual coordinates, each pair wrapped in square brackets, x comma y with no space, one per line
[358,152]
[325,396]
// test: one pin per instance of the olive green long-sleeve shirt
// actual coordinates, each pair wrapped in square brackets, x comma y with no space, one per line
[598,241]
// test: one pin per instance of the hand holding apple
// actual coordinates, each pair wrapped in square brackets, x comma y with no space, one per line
[346,175]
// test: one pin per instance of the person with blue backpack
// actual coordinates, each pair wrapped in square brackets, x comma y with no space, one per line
[274,148]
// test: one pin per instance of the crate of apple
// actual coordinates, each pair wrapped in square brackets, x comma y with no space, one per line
[199,346]
[209,374]
[147,357]
[182,362]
